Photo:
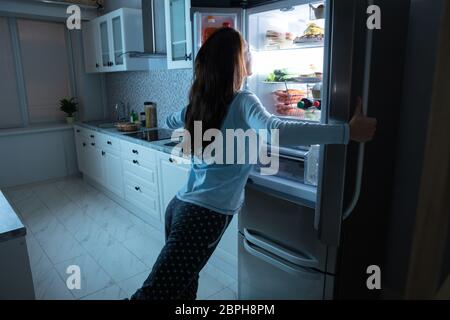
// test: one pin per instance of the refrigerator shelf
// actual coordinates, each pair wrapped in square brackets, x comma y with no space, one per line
[294,46]
[296,81]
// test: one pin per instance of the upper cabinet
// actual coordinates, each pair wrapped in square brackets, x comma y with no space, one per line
[178,34]
[108,40]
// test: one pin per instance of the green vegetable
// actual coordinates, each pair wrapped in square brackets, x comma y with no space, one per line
[280,75]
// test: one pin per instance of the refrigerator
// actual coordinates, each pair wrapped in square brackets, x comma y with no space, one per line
[311,59]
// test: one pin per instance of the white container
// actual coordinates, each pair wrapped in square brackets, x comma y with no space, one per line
[312,165]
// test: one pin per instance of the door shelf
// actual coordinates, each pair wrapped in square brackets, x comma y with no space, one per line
[295,46]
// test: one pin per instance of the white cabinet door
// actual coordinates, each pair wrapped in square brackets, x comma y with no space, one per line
[91,47]
[113,172]
[94,165]
[173,174]
[81,148]
[105,43]
[178,34]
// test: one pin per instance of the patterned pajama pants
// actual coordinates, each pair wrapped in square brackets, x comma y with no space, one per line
[192,234]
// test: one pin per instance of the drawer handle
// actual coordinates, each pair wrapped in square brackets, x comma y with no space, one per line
[78,130]
[103,153]
[84,144]
[137,188]
[135,162]
[92,136]
[109,142]
[92,144]
[171,160]
[135,152]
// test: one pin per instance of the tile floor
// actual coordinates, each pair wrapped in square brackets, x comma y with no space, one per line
[71,223]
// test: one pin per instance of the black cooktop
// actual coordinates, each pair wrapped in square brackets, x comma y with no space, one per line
[152,134]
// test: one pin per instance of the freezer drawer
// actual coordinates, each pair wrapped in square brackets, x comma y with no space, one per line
[279,225]
[265,276]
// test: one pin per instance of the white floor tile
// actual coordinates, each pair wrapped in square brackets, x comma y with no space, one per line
[58,243]
[144,247]
[39,262]
[119,263]
[207,286]
[95,240]
[131,285]
[18,194]
[93,277]
[52,287]
[113,292]
[224,294]
[29,206]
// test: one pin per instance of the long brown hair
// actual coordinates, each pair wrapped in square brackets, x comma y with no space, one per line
[219,72]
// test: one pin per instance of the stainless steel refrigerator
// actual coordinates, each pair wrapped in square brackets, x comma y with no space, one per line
[310,61]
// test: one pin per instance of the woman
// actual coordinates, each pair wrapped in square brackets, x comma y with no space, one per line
[200,213]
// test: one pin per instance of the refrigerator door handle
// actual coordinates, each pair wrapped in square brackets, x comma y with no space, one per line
[360,164]
[302,259]
[278,263]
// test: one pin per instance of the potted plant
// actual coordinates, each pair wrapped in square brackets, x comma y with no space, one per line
[69,106]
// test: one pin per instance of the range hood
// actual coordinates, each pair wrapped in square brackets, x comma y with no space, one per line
[153,22]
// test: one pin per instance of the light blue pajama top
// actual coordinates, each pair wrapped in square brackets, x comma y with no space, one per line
[220,187]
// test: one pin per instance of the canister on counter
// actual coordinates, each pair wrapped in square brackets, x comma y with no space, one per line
[151,120]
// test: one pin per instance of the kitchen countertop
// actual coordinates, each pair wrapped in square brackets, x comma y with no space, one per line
[157,145]
[10,225]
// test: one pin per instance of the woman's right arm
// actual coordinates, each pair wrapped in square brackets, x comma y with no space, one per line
[295,133]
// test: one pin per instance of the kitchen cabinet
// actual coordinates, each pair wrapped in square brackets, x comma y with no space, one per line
[141,178]
[108,40]
[178,34]
[94,167]
[91,48]
[173,174]
[81,147]
[112,172]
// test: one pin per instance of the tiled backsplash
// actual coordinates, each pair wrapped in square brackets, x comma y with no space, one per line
[168,88]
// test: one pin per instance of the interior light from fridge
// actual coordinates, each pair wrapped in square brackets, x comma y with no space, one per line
[287,9]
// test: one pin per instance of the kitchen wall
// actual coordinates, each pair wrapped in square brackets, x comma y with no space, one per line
[168,88]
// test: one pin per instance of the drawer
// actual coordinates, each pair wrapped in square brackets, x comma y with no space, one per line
[80,133]
[140,176]
[107,142]
[134,151]
[135,163]
[143,199]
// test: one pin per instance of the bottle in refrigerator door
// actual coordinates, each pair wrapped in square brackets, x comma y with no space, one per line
[312,165]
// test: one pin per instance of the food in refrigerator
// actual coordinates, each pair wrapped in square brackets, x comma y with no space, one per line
[281,75]
[212,23]
[312,33]
[290,96]
[289,110]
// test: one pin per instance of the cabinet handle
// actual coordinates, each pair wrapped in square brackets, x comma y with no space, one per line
[109,142]
[84,144]
[92,144]
[97,65]
[78,130]
[103,153]
[92,136]
[171,160]
[135,162]
[137,188]
[135,152]
[188,57]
